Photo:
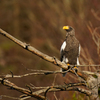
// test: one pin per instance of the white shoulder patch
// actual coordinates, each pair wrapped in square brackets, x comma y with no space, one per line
[79,49]
[78,62]
[63,46]
[65,60]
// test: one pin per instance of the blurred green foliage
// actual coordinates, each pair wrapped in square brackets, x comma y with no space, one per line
[74,96]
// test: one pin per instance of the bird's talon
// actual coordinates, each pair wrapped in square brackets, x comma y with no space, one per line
[68,64]
[76,69]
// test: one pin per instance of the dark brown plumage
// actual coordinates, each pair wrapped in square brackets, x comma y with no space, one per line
[70,48]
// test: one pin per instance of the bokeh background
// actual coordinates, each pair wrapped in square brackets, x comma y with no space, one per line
[39,23]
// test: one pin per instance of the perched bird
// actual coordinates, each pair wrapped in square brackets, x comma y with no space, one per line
[70,49]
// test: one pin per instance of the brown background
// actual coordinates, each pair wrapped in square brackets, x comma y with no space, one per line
[39,23]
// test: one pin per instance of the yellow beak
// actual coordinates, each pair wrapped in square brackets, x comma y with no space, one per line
[65,27]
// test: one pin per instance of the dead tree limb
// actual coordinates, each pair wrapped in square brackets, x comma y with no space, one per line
[40,54]
[36,94]
[33,50]
[92,82]
[11,85]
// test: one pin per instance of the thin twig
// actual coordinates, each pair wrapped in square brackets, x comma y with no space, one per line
[8,97]
[55,96]
[22,90]
[54,80]
[27,97]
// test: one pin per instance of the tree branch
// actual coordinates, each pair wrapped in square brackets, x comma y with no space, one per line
[85,75]
[22,90]
[56,88]
[28,92]
[53,60]
[33,50]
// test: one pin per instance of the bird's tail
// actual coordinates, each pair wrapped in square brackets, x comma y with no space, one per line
[63,73]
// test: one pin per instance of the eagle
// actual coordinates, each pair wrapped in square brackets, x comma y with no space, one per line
[70,49]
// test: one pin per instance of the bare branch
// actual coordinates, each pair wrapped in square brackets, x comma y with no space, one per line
[40,54]
[55,96]
[22,90]
[9,97]
[66,87]
[58,87]
[28,92]
[35,51]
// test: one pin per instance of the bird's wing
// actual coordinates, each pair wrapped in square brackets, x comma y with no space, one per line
[62,50]
[78,55]
[79,50]
[61,55]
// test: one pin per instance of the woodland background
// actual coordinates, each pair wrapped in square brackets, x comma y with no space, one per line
[39,23]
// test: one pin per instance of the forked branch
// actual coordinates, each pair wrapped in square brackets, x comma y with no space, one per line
[53,60]
[84,75]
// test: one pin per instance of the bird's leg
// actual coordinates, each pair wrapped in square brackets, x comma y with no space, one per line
[68,65]
[71,67]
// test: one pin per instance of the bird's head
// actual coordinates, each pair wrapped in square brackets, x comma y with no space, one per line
[70,30]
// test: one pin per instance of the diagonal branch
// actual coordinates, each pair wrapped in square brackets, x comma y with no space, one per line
[53,60]
[33,50]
